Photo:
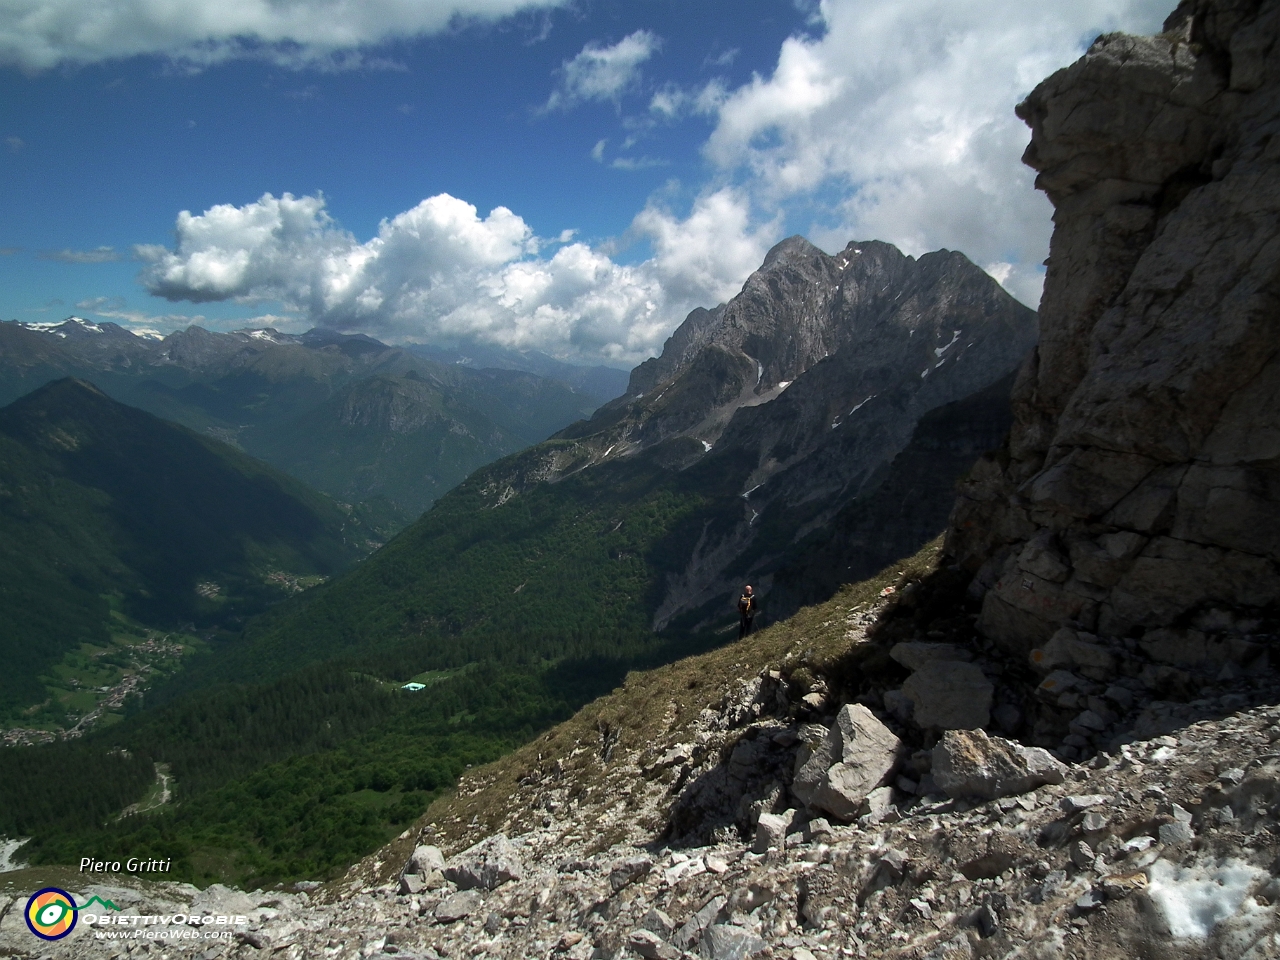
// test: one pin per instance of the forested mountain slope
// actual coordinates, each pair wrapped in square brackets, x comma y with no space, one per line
[104,506]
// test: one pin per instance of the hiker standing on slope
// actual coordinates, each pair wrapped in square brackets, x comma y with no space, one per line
[746,610]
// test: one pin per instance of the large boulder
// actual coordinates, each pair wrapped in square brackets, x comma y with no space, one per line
[488,864]
[968,763]
[723,941]
[862,754]
[950,695]
[424,860]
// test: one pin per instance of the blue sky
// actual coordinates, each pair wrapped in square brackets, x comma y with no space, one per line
[567,176]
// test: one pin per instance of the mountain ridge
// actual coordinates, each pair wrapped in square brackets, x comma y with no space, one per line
[664,527]
[266,391]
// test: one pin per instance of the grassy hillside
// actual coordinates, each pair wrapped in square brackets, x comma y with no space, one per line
[104,506]
[651,710]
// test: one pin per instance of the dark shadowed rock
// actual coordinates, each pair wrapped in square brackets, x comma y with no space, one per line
[914,654]
[949,695]
[1140,487]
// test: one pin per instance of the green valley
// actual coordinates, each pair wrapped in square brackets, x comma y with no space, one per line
[115,521]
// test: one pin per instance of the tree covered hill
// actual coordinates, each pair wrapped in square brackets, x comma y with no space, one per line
[101,503]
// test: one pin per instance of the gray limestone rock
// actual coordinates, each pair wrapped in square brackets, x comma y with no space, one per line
[725,942]
[876,805]
[1176,833]
[865,754]
[488,864]
[771,831]
[968,763]
[424,859]
[628,871]
[688,934]
[649,945]
[411,884]
[656,921]
[459,906]
[1138,484]
[812,763]
[950,695]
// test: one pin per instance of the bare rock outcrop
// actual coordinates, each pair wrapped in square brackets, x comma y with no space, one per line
[968,763]
[489,864]
[1139,493]
[858,755]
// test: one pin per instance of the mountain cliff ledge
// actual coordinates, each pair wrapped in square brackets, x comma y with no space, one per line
[1139,494]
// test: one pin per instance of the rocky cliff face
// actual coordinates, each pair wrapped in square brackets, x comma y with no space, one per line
[792,401]
[817,340]
[1139,495]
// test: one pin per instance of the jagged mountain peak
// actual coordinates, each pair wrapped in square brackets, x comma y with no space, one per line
[794,247]
[800,308]
[792,400]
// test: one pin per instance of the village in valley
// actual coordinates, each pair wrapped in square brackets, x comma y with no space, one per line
[93,685]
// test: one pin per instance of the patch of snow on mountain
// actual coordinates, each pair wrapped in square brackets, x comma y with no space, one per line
[1194,900]
[939,351]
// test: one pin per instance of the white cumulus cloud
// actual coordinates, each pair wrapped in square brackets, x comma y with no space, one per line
[38,34]
[440,271]
[898,120]
[600,73]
